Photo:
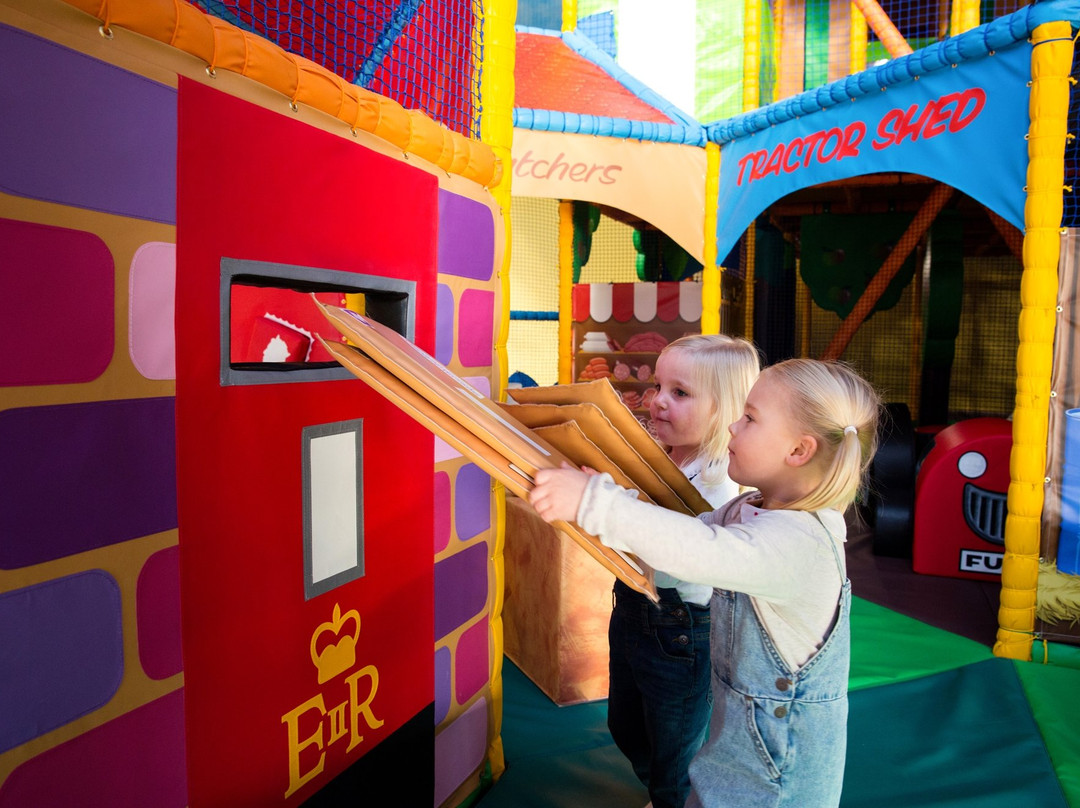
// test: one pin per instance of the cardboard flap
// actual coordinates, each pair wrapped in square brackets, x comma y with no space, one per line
[611,443]
[601,393]
[504,448]
[569,439]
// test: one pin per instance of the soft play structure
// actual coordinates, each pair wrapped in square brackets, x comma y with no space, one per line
[607,181]
[998,91]
[230,573]
[844,220]
[868,234]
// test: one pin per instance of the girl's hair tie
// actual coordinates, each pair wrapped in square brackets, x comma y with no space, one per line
[850,430]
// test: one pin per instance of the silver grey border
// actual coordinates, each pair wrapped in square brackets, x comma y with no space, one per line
[356,427]
[346,281]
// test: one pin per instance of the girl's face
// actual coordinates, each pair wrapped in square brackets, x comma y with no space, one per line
[763,440]
[679,412]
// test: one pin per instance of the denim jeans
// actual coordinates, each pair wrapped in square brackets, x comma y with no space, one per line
[658,697]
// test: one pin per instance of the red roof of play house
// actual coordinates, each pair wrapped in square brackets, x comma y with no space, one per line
[548,74]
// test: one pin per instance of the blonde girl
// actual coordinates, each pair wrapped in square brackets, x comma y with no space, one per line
[780,607]
[658,693]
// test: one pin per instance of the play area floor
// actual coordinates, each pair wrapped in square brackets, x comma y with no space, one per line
[936,720]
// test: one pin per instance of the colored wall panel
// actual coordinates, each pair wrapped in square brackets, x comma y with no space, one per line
[459,749]
[481,383]
[444,698]
[472,502]
[80,132]
[53,282]
[444,451]
[476,328]
[472,662]
[442,511]
[47,631]
[157,611]
[151,310]
[444,324]
[466,238]
[134,761]
[460,588]
[80,476]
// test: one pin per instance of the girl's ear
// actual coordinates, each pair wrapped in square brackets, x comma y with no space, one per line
[803,451]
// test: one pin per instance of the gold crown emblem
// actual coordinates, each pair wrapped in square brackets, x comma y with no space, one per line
[339,656]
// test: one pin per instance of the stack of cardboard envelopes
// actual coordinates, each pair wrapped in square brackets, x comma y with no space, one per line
[585,424]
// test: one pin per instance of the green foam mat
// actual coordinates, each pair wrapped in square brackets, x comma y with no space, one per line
[558,757]
[936,722]
[963,738]
[1053,691]
[888,647]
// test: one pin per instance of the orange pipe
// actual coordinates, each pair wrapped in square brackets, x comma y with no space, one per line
[881,25]
[876,288]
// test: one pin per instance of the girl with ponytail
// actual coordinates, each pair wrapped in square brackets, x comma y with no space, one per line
[775,559]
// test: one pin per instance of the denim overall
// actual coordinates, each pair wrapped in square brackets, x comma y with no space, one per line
[658,696]
[778,737]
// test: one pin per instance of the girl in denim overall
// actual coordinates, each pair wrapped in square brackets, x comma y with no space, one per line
[780,607]
[659,684]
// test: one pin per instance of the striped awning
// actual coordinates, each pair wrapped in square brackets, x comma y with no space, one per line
[666,301]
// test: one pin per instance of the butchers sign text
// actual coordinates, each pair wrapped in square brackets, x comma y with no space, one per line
[565,168]
[948,113]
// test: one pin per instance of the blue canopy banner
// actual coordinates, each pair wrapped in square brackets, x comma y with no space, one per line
[964,125]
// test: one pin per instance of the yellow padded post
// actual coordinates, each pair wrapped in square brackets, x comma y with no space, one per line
[964,17]
[1051,61]
[497,131]
[751,55]
[859,40]
[710,272]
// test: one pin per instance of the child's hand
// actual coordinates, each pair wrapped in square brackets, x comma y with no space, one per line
[557,493]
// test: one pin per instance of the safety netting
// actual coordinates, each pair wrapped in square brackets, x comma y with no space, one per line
[942,339]
[608,246]
[743,51]
[532,342]
[839,39]
[1071,207]
[423,55]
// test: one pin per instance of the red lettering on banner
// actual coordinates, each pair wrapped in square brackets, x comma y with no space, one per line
[560,169]
[794,148]
[772,166]
[977,97]
[952,112]
[853,136]
[825,146]
[910,128]
[936,118]
[811,144]
[744,162]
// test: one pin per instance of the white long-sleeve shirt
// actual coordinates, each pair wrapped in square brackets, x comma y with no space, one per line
[781,559]
[716,494]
